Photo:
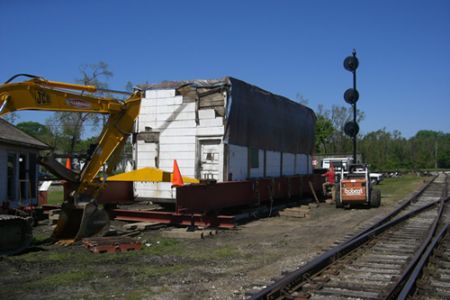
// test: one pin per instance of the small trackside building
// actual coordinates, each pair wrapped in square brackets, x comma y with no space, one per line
[224,130]
[18,166]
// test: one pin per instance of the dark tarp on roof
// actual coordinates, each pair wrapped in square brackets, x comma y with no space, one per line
[9,134]
[263,120]
[257,118]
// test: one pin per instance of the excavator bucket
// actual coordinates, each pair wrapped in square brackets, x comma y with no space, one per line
[79,221]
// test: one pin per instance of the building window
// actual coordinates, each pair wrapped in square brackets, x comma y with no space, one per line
[32,175]
[23,178]
[254,158]
[11,174]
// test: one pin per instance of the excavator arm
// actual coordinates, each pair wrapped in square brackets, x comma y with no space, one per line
[44,95]
[41,94]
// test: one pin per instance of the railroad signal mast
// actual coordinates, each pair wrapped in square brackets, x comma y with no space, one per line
[354,186]
[351,96]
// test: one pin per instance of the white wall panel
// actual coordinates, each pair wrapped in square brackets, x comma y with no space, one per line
[237,162]
[207,131]
[288,164]
[160,93]
[258,172]
[272,164]
[206,114]
[217,122]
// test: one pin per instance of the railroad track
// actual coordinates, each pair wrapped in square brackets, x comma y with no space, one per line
[376,262]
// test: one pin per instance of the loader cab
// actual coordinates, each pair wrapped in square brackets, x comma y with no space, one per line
[340,164]
[355,188]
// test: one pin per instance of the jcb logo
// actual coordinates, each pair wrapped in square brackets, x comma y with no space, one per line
[42,98]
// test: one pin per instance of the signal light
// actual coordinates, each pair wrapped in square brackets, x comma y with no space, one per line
[351,96]
[351,63]
[351,129]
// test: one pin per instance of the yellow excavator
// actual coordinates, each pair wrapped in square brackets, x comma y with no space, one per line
[81,216]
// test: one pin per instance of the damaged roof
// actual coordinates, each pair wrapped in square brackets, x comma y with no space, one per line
[169,84]
[9,134]
[253,116]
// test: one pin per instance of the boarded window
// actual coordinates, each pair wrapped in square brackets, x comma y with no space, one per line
[254,158]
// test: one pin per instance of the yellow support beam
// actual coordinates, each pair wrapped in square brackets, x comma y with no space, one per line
[148,175]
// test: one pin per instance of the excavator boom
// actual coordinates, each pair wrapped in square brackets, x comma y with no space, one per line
[41,94]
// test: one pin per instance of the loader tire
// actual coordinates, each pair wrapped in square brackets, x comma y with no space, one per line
[337,196]
[375,198]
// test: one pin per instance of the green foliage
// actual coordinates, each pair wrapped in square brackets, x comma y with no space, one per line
[324,132]
[382,149]
[38,131]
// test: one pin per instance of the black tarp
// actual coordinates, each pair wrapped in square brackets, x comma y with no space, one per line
[259,119]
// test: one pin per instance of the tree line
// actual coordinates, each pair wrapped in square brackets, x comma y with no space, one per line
[382,149]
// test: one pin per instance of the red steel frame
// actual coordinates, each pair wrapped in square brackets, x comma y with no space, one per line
[201,204]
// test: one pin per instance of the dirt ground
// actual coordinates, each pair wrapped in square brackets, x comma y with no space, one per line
[229,265]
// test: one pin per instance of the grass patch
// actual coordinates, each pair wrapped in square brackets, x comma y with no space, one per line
[396,188]
[163,246]
[55,197]
[223,252]
[216,254]
[61,279]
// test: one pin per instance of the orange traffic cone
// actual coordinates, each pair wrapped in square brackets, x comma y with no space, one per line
[177,180]
[68,164]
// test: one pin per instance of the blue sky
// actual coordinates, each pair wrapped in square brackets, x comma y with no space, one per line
[286,47]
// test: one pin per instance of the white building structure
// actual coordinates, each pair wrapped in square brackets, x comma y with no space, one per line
[222,130]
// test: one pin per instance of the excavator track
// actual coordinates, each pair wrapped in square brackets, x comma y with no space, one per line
[15,234]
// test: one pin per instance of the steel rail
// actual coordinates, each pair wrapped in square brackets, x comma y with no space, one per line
[409,286]
[418,254]
[295,278]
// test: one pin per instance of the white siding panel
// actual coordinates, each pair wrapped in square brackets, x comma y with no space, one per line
[206,114]
[288,164]
[167,164]
[163,148]
[175,124]
[179,132]
[217,122]
[145,147]
[272,164]
[177,155]
[188,107]
[208,131]
[237,162]
[181,116]
[258,172]
[160,93]
[176,139]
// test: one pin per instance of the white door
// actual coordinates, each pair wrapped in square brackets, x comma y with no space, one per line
[210,159]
